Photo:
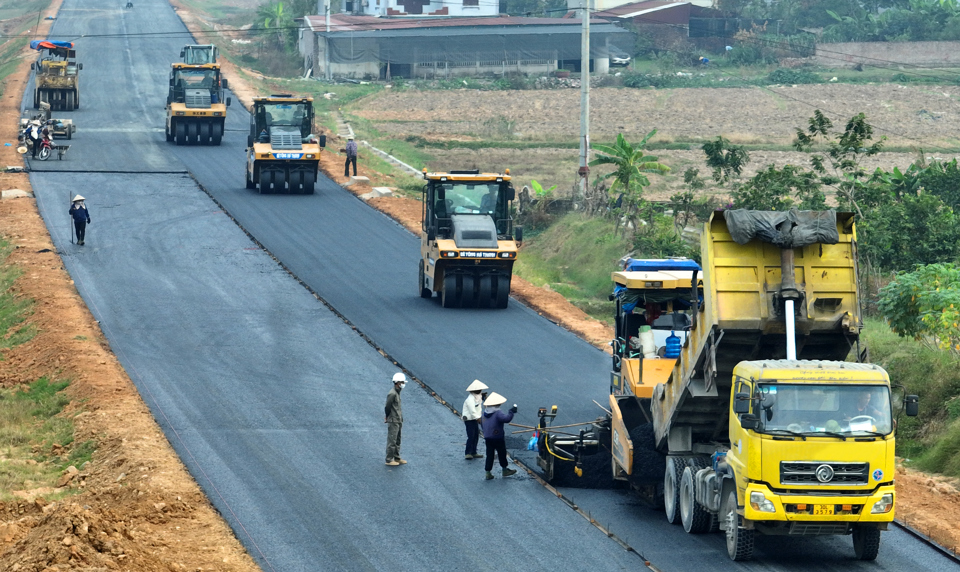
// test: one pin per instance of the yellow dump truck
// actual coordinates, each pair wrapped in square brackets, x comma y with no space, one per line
[746,418]
[57,80]
[196,107]
[283,150]
[468,243]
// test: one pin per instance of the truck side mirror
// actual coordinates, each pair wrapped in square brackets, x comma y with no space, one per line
[912,403]
[441,194]
[249,140]
[32,66]
[229,102]
[224,83]
[741,403]
[79,66]
[322,139]
[518,234]
[748,421]
[183,53]
[431,234]
[511,194]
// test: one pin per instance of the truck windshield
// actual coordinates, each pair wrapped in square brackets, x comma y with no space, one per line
[471,198]
[827,409]
[197,79]
[290,114]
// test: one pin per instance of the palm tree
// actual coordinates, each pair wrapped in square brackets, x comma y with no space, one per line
[628,176]
[274,15]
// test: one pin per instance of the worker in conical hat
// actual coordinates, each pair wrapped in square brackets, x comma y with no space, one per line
[470,413]
[81,217]
[492,421]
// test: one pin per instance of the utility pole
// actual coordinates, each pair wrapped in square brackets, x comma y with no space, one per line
[326,42]
[584,170]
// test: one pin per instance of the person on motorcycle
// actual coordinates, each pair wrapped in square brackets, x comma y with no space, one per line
[33,134]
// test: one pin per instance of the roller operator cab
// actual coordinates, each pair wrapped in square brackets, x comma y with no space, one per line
[745,418]
[57,81]
[196,107]
[468,243]
[283,150]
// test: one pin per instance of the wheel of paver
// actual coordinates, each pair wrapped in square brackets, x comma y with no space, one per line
[193,132]
[217,133]
[264,182]
[205,133]
[309,178]
[671,488]
[181,133]
[279,180]
[69,104]
[468,290]
[422,284]
[76,100]
[739,540]
[695,519]
[296,182]
[485,291]
[503,292]
[448,294]
[866,542]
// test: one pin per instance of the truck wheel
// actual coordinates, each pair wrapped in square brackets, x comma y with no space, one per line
[671,488]
[695,519]
[866,542]
[218,134]
[69,103]
[468,292]
[424,291]
[448,294]
[739,540]
[181,130]
[485,291]
[264,182]
[205,133]
[503,292]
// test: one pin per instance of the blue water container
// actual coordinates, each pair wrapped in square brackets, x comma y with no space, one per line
[673,346]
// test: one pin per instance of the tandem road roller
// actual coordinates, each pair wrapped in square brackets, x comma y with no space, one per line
[283,151]
[468,243]
[196,108]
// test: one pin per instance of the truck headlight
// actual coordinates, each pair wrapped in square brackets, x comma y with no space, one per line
[760,502]
[508,255]
[883,505]
[448,254]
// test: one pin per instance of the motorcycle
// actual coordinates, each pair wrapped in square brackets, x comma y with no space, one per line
[46,149]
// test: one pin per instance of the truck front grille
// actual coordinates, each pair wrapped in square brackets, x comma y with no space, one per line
[828,473]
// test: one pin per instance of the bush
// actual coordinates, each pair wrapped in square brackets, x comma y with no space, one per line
[639,80]
[789,76]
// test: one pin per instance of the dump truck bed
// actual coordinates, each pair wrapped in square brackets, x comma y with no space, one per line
[742,319]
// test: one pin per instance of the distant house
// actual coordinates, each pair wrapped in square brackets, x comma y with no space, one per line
[675,12]
[420,7]
[385,48]
[606,5]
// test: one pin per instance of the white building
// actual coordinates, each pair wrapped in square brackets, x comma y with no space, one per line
[420,7]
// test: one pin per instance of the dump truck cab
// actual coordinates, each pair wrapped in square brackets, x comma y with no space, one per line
[57,78]
[196,106]
[283,149]
[468,243]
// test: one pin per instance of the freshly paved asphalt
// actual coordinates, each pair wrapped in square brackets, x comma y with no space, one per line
[273,401]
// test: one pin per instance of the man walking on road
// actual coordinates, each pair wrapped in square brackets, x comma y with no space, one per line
[351,158]
[81,217]
[493,421]
[393,417]
[472,409]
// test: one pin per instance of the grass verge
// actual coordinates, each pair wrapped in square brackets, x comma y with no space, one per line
[13,310]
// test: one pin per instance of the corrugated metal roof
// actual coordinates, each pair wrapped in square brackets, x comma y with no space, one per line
[347,23]
[640,8]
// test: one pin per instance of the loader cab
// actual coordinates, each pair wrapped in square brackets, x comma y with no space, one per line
[199,55]
[287,116]
[663,296]
[197,86]
[470,194]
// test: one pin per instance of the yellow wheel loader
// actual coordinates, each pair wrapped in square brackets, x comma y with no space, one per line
[283,151]
[468,243]
[196,108]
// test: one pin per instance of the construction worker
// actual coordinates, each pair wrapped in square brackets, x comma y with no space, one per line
[470,413]
[81,217]
[493,420]
[393,417]
[351,151]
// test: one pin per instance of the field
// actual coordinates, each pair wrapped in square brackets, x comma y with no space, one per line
[534,133]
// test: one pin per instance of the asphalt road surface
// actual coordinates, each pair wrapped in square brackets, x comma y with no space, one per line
[274,403]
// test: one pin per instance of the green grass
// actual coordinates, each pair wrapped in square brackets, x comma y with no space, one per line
[31,423]
[16,8]
[575,257]
[932,439]
[13,310]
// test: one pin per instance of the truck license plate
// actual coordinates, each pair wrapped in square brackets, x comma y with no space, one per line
[823,510]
